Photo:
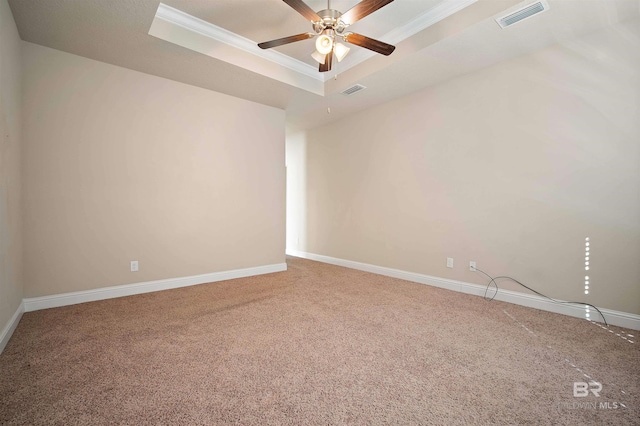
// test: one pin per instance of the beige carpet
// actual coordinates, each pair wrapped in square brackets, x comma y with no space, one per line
[318,344]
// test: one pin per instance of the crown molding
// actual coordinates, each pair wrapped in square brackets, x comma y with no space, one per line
[183,20]
[191,23]
[421,22]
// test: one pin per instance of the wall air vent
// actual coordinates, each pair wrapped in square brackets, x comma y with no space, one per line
[523,13]
[353,89]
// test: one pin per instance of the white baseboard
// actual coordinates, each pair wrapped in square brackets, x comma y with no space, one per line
[8,330]
[65,299]
[621,319]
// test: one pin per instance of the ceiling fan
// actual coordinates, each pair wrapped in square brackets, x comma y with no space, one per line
[329,25]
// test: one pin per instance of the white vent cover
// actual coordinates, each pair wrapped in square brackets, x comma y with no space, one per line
[353,89]
[523,13]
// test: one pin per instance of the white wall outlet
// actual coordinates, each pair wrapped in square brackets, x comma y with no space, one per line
[472,266]
[134,266]
[449,262]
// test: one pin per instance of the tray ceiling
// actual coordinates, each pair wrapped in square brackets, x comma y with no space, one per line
[432,46]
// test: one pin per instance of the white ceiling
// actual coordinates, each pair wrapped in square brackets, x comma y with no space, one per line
[117,32]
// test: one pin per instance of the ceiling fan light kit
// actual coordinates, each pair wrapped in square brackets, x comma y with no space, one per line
[318,57]
[340,50]
[324,43]
[329,25]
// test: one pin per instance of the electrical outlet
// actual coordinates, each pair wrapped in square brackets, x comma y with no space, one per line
[134,266]
[472,266]
[449,262]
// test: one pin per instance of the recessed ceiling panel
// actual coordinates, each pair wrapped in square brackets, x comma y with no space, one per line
[262,20]
[223,36]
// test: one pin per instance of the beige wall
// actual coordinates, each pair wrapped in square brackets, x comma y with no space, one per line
[512,166]
[10,182]
[123,166]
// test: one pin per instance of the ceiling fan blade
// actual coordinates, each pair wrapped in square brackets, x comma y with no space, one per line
[362,9]
[304,10]
[369,43]
[285,40]
[327,63]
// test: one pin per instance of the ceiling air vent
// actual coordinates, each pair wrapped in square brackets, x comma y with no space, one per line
[353,89]
[522,13]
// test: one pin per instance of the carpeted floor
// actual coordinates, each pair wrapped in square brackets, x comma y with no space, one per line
[318,344]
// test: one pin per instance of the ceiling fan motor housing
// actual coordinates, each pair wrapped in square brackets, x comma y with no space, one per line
[330,20]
